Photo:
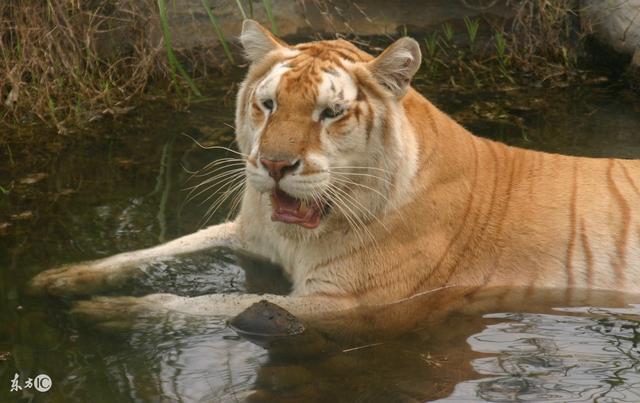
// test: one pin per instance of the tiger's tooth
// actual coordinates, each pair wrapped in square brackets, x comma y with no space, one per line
[304,207]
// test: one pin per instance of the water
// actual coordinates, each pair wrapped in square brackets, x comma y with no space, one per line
[122,188]
[541,357]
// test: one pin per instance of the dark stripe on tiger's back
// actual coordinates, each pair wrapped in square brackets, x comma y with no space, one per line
[471,237]
[572,226]
[536,166]
[400,265]
[494,192]
[513,165]
[625,211]
[630,179]
[588,253]
[463,225]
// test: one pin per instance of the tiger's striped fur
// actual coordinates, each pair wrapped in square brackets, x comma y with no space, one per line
[473,212]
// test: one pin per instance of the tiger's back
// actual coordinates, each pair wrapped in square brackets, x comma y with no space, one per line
[487,214]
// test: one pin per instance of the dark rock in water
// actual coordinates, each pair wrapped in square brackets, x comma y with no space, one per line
[263,323]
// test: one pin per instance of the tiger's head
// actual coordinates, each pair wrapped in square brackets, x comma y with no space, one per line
[322,127]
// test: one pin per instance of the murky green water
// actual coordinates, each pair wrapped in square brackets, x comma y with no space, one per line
[124,188]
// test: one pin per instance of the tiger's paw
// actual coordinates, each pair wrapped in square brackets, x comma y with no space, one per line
[122,313]
[75,280]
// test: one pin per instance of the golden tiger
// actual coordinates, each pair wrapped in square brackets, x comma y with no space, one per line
[367,194]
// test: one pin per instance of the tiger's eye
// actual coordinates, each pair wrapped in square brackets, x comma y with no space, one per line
[268,104]
[330,113]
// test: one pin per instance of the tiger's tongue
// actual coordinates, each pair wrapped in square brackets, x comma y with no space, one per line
[285,201]
[288,209]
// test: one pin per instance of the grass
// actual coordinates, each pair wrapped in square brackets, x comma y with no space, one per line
[472,30]
[67,63]
[174,64]
[270,17]
[447,30]
[219,33]
[58,65]
[239,4]
[503,59]
[431,45]
[542,27]
[540,43]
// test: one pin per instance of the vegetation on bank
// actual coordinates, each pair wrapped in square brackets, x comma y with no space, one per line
[67,63]
[61,62]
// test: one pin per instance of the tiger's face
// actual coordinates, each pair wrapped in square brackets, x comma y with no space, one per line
[312,120]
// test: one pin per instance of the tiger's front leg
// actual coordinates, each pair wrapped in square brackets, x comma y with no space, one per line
[94,276]
[125,312]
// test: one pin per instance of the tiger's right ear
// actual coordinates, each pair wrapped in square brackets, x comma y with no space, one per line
[257,41]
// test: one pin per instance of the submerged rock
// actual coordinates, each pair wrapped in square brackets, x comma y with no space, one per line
[263,323]
[273,328]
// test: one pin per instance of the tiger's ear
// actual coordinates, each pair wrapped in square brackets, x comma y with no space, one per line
[394,68]
[257,41]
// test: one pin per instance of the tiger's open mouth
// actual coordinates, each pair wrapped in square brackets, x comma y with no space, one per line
[291,210]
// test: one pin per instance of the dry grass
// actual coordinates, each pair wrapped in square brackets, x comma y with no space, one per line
[69,62]
[65,62]
[545,33]
[539,44]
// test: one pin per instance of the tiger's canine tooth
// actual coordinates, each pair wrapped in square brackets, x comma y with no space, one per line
[304,207]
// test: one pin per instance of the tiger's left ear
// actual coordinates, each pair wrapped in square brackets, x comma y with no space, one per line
[257,41]
[394,68]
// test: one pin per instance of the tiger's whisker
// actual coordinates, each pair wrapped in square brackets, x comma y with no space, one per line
[212,209]
[355,216]
[362,208]
[214,177]
[220,201]
[228,183]
[220,184]
[213,147]
[212,182]
[217,165]
[338,203]
[221,163]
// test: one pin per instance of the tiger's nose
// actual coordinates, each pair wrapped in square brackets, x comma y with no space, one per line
[279,168]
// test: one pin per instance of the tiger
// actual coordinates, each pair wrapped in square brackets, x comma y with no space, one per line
[366,194]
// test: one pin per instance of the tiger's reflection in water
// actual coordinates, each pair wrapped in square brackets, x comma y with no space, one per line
[457,344]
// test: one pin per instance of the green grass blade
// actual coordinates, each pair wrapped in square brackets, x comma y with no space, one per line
[244,15]
[173,61]
[472,29]
[216,27]
[267,7]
